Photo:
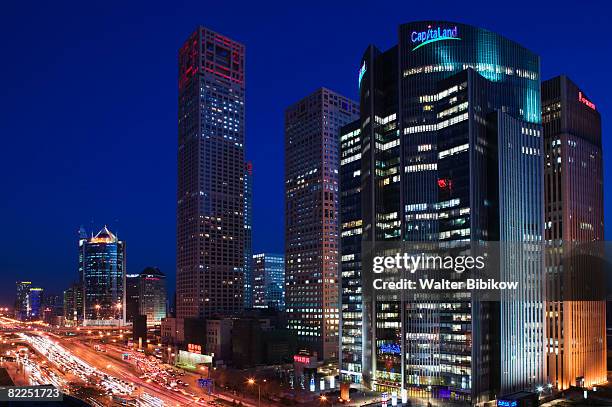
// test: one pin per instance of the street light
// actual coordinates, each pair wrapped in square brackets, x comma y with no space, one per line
[251,381]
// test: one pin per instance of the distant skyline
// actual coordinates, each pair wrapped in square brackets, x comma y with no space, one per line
[89,108]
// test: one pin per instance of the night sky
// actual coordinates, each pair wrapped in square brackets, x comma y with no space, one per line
[88,103]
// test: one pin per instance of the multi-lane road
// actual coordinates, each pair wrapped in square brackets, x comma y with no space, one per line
[117,373]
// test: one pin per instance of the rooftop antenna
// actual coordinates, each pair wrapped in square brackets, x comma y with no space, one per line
[117,228]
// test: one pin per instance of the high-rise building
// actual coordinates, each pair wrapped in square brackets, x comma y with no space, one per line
[21,300]
[576,323]
[350,255]
[73,304]
[211,166]
[36,303]
[450,151]
[102,267]
[152,299]
[132,296]
[269,281]
[248,234]
[53,307]
[311,217]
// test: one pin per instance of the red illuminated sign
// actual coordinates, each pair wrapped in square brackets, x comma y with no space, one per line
[301,359]
[445,183]
[586,101]
[193,348]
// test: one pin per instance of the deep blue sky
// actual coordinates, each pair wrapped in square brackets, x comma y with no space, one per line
[88,100]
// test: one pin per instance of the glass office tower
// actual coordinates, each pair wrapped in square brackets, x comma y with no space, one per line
[35,303]
[451,151]
[576,321]
[73,304]
[269,281]
[21,300]
[102,268]
[350,253]
[152,300]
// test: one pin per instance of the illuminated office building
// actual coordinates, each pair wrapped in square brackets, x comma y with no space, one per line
[36,303]
[152,300]
[248,235]
[21,300]
[576,323]
[132,296]
[73,304]
[311,217]
[102,268]
[451,151]
[351,331]
[269,281]
[210,245]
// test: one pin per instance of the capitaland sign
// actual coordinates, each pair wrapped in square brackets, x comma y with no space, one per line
[433,34]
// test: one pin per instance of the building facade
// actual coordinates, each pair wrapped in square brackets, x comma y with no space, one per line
[576,323]
[219,339]
[36,303]
[248,234]
[102,268]
[269,281]
[21,300]
[132,296]
[53,308]
[211,166]
[73,304]
[450,151]
[351,223]
[152,298]
[311,217]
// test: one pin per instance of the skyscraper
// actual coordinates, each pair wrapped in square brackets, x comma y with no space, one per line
[248,235]
[576,326]
[450,151]
[269,281]
[152,300]
[52,307]
[21,300]
[351,223]
[102,267]
[132,296]
[211,166]
[311,217]
[73,304]
[35,303]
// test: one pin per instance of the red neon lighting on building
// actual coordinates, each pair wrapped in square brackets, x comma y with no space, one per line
[301,359]
[586,101]
[445,183]
[194,348]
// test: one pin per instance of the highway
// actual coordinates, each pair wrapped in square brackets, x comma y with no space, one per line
[91,362]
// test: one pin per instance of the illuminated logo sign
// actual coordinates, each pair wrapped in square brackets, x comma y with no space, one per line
[362,72]
[421,38]
[301,359]
[506,403]
[392,348]
[586,101]
[194,348]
